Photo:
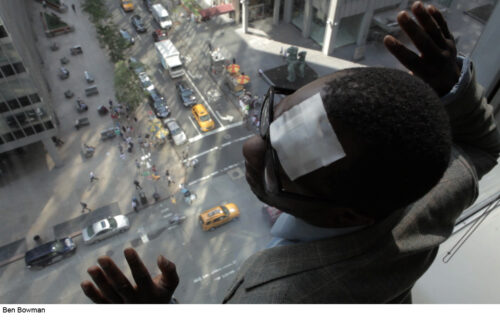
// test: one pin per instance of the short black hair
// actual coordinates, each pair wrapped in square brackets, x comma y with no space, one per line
[402,130]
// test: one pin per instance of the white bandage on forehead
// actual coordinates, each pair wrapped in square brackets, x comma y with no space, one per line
[304,138]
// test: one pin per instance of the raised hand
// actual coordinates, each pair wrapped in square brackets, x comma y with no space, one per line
[437,62]
[114,287]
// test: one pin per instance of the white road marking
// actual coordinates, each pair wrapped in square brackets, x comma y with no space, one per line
[204,100]
[195,126]
[164,210]
[144,238]
[206,275]
[201,136]
[217,148]
[215,172]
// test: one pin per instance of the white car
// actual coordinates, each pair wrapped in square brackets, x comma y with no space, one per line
[105,228]
[176,132]
[146,82]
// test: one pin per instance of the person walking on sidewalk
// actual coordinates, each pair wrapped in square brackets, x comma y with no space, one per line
[110,102]
[84,207]
[137,164]
[92,177]
[137,185]
[73,7]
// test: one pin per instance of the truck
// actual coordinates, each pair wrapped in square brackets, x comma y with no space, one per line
[170,58]
[160,14]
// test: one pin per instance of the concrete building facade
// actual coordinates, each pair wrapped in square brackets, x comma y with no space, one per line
[26,113]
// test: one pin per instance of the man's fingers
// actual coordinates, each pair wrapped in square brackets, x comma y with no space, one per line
[170,278]
[417,35]
[438,17]
[104,285]
[92,293]
[407,57]
[119,281]
[139,271]
[429,24]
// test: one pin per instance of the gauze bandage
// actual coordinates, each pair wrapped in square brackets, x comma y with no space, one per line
[304,138]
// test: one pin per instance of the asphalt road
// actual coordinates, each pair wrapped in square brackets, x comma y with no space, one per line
[206,261]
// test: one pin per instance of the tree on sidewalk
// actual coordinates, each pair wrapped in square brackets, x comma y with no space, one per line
[127,87]
[96,9]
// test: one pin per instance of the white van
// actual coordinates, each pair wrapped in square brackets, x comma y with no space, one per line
[160,14]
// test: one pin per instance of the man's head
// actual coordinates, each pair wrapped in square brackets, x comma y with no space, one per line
[396,138]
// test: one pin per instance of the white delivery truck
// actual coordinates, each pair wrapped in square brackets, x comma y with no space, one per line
[160,14]
[170,58]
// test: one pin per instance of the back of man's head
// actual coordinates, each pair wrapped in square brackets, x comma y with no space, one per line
[401,132]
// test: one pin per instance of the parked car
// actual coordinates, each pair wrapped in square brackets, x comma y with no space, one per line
[81,106]
[88,77]
[149,5]
[176,132]
[105,228]
[125,35]
[109,133]
[49,253]
[63,73]
[201,116]
[92,90]
[185,94]
[159,35]
[127,5]
[146,82]
[215,217]
[135,65]
[137,23]
[158,104]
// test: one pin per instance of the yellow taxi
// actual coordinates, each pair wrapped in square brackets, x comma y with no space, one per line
[127,5]
[201,116]
[215,217]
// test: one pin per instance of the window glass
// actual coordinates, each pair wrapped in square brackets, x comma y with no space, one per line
[49,125]
[19,67]
[19,134]
[29,131]
[3,107]
[14,104]
[34,98]
[8,137]
[39,128]
[7,70]
[3,32]
[1,141]
[24,101]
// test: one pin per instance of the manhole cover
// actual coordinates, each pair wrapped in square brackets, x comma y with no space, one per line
[235,173]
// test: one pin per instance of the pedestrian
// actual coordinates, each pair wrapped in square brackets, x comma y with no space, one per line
[110,102]
[124,129]
[137,164]
[137,185]
[129,139]
[84,207]
[135,204]
[130,147]
[123,156]
[234,60]
[44,4]
[121,148]
[170,181]
[135,118]
[73,7]
[153,168]
[93,177]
